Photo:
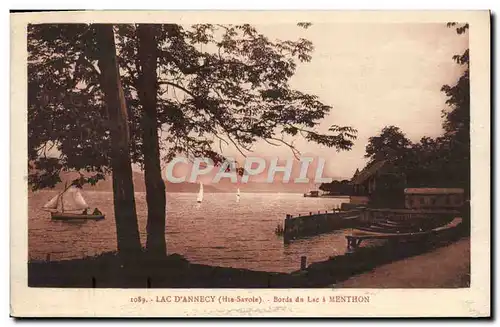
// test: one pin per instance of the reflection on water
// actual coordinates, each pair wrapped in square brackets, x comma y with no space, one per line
[218,231]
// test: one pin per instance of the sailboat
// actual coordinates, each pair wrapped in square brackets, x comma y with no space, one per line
[66,205]
[200,194]
[238,195]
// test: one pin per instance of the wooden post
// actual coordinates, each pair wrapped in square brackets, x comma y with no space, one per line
[303,262]
[48,257]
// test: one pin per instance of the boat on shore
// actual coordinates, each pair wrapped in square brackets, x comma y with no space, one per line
[70,205]
[359,234]
[311,194]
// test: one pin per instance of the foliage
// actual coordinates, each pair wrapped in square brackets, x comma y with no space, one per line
[434,162]
[457,121]
[343,187]
[66,114]
[390,144]
[389,192]
[218,85]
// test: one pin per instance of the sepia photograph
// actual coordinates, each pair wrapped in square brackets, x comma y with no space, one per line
[306,154]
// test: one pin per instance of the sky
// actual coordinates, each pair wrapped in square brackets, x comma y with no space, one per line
[374,75]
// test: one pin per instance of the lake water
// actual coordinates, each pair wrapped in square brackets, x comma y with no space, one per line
[219,231]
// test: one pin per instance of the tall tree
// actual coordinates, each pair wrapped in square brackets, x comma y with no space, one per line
[147,87]
[217,85]
[445,160]
[76,110]
[457,119]
[123,188]
[225,84]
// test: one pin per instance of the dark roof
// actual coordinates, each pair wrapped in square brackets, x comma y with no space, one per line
[367,172]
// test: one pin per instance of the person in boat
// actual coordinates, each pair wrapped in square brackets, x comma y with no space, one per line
[85,212]
[97,212]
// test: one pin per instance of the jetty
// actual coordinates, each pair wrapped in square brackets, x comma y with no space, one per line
[296,227]
[369,223]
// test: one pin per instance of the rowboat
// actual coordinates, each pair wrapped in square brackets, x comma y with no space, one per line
[354,238]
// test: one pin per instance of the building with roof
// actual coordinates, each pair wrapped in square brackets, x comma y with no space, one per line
[434,198]
[379,175]
[365,182]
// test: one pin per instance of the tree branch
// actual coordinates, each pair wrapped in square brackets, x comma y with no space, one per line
[178,86]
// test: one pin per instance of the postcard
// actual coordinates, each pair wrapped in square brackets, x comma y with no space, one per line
[250,164]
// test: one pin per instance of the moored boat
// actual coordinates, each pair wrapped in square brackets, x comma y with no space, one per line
[311,194]
[357,235]
[67,215]
[70,205]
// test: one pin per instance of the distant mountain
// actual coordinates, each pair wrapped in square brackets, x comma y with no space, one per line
[106,185]
[189,188]
[226,186]
[257,183]
[223,186]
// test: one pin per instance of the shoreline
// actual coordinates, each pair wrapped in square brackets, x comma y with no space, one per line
[445,267]
[106,271]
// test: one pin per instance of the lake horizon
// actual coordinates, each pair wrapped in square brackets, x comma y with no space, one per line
[220,231]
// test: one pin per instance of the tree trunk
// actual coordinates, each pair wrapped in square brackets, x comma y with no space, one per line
[155,186]
[127,231]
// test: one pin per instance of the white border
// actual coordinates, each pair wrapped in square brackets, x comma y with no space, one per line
[481,149]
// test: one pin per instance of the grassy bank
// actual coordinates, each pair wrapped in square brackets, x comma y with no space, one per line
[106,271]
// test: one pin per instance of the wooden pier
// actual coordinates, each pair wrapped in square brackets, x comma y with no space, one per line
[318,223]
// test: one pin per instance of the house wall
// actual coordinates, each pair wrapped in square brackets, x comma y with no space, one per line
[401,215]
[371,183]
[359,199]
[366,188]
[419,201]
[358,189]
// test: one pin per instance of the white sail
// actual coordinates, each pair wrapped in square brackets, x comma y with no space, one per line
[200,193]
[73,200]
[79,201]
[69,200]
[53,203]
